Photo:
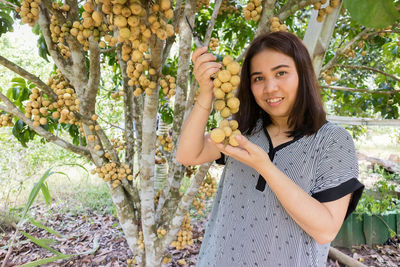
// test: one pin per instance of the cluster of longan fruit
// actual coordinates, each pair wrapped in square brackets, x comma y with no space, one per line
[253,10]
[190,170]
[6,120]
[322,12]
[57,35]
[118,143]
[207,189]
[350,53]
[276,26]
[159,157]
[117,95]
[184,236]
[166,142]
[140,241]
[200,4]
[167,259]
[213,44]
[225,82]
[113,173]
[329,76]
[67,100]
[158,25]
[131,262]
[226,132]
[37,107]
[228,7]
[161,232]
[168,86]
[157,196]
[29,11]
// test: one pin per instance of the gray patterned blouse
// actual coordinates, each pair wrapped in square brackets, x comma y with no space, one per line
[249,227]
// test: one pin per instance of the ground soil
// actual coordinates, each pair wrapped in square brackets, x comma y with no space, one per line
[81,231]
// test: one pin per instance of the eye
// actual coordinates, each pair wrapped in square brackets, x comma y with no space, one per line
[281,73]
[258,78]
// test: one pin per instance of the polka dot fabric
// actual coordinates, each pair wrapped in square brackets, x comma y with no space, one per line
[249,227]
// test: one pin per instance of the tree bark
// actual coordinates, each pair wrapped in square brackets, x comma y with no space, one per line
[12,109]
[29,76]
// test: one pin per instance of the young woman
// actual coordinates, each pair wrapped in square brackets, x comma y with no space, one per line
[287,188]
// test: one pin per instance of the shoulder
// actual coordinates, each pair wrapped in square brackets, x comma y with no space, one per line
[333,138]
[335,132]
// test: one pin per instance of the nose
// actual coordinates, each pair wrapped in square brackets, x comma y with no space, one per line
[270,85]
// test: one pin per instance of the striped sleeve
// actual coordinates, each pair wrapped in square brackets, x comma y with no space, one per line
[337,172]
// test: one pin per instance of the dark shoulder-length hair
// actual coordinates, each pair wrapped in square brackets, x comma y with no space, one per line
[307,114]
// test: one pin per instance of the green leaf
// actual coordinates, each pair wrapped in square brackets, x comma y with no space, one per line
[35,190]
[43,242]
[372,13]
[46,260]
[48,229]
[46,193]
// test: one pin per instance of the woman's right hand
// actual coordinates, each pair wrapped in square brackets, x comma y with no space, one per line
[204,67]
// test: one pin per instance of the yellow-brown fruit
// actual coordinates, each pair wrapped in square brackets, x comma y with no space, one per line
[227,87]
[233,124]
[219,104]
[219,94]
[227,59]
[225,112]
[224,76]
[217,135]
[120,21]
[233,68]
[224,123]
[227,130]
[235,80]
[97,17]
[97,147]
[165,5]
[124,33]
[232,140]
[217,82]
[233,103]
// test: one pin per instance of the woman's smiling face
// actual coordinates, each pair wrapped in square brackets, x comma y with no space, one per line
[274,82]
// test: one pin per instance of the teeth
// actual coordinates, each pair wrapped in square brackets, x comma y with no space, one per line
[274,100]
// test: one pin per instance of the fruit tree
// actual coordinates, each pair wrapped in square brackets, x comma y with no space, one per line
[146,46]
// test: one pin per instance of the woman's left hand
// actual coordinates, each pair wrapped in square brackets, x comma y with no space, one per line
[247,152]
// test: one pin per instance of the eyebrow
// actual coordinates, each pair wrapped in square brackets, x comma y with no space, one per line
[272,69]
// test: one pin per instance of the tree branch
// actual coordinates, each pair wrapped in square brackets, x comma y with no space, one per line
[292,6]
[214,16]
[266,13]
[8,3]
[73,13]
[129,110]
[148,155]
[367,68]
[170,40]
[44,23]
[29,76]
[103,51]
[373,91]
[181,209]
[58,14]
[339,52]
[3,107]
[185,45]
[94,77]
[12,109]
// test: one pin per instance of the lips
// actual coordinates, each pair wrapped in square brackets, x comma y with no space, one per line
[274,100]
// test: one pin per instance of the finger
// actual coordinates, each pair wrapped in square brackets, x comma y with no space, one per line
[206,67]
[198,52]
[206,57]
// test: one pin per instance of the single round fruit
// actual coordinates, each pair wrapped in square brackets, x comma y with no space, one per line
[217,135]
